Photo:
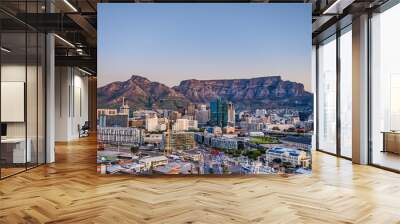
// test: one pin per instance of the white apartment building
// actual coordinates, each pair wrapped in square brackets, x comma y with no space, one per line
[181,125]
[185,125]
[294,157]
[154,161]
[152,124]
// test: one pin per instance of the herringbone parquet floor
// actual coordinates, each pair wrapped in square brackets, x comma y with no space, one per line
[70,191]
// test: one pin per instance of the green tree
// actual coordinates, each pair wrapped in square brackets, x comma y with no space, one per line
[276,128]
[134,149]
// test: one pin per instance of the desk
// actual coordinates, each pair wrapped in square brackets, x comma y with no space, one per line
[391,141]
[13,150]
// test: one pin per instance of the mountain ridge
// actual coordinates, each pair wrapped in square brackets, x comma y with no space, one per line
[260,92]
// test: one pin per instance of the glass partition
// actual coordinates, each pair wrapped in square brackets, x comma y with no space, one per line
[22,88]
[346,93]
[31,97]
[13,92]
[327,95]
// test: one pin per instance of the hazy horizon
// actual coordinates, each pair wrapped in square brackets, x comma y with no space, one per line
[169,43]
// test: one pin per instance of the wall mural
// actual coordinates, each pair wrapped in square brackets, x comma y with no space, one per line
[197,89]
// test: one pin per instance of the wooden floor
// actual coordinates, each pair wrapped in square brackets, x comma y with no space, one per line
[70,191]
[386,159]
[5,172]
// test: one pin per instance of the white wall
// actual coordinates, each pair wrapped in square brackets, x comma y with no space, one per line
[71,103]
[33,126]
[14,73]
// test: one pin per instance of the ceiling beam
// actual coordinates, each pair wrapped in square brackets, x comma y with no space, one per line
[78,61]
[86,26]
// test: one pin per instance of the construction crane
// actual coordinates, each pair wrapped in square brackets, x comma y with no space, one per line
[168,135]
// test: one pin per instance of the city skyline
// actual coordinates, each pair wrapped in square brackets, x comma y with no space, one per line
[199,89]
[203,140]
[177,41]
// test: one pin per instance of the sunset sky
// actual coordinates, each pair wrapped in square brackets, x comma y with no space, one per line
[169,43]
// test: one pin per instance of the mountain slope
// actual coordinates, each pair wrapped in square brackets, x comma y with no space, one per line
[140,93]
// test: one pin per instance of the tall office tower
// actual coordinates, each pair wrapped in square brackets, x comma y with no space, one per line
[231,114]
[124,109]
[221,112]
[216,112]
[190,109]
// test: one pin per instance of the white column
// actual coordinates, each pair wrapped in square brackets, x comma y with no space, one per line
[360,90]
[50,98]
[63,101]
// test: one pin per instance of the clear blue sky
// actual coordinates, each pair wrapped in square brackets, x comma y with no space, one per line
[168,43]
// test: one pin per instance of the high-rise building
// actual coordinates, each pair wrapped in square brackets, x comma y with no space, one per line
[185,125]
[177,141]
[215,108]
[202,115]
[151,124]
[231,114]
[222,113]
[181,125]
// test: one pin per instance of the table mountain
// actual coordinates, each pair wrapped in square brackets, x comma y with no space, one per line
[262,92]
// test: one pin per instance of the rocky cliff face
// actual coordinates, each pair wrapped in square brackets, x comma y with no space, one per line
[263,92]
